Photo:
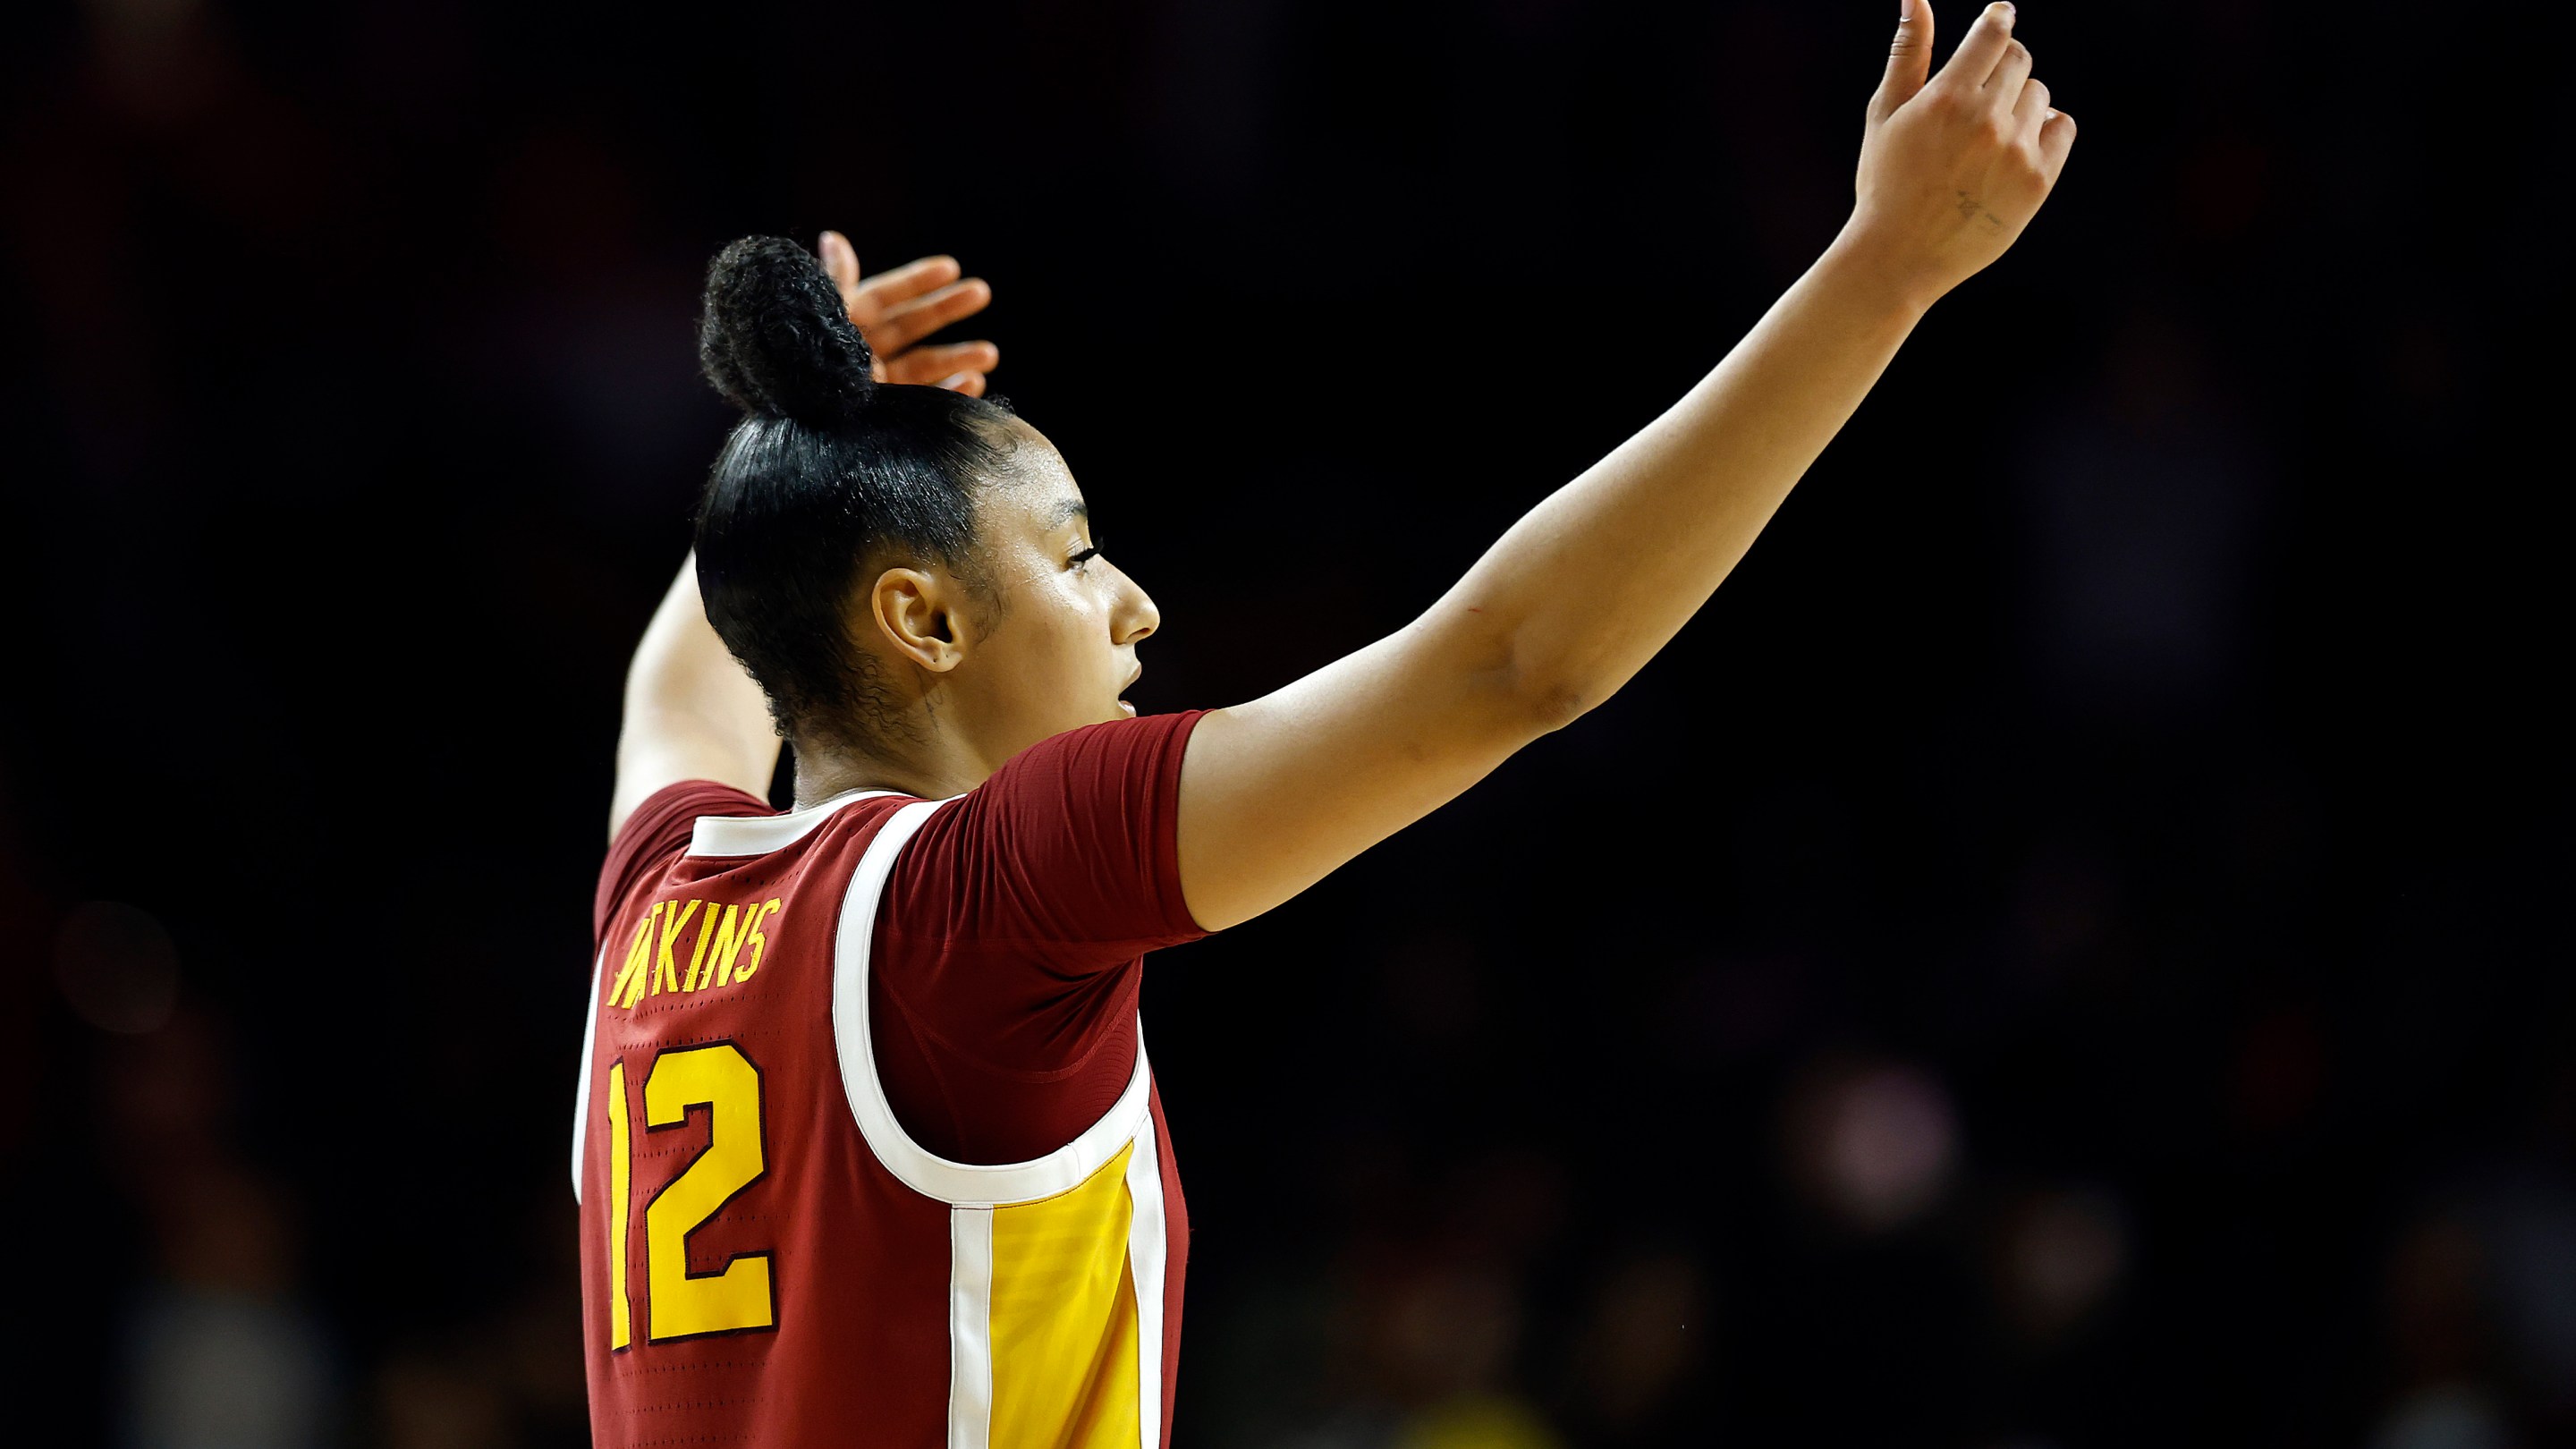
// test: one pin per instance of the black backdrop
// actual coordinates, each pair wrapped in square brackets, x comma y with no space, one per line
[2069,949]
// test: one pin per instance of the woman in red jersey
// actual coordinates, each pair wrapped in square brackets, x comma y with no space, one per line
[867,1144]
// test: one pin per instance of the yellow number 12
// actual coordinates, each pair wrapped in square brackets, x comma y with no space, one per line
[685,1304]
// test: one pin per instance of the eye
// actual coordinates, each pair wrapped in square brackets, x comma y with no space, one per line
[1084,557]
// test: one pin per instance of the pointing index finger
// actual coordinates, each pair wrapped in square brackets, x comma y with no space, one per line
[1980,49]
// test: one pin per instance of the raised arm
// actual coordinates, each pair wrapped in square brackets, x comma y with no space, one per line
[1580,593]
[691,712]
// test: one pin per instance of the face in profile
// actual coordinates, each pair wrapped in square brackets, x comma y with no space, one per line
[1052,644]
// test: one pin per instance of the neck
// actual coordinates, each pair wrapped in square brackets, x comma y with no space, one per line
[938,768]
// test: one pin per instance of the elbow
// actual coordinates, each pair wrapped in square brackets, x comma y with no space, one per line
[1524,687]
[1547,698]
[1551,707]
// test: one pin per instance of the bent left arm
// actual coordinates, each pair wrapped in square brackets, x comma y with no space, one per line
[692,713]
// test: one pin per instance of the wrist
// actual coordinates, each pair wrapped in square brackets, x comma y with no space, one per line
[1875,279]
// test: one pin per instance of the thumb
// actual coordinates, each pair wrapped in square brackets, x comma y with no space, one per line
[1909,60]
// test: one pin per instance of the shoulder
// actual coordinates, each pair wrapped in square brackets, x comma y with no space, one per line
[659,832]
[1129,753]
[1073,840]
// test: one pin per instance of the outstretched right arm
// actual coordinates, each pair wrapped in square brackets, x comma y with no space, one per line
[1579,594]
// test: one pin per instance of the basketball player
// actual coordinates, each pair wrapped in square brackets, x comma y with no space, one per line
[867,1146]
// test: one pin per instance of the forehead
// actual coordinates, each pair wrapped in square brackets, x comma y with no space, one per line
[1042,496]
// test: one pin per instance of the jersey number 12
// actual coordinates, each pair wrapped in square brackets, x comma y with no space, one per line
[683,1304]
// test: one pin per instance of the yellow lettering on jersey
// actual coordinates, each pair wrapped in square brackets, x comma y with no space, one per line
[751,924]
[666,969]
[621,1317]
[721,1079]
[639,959]
[652,964]
[706,928]
[730,933]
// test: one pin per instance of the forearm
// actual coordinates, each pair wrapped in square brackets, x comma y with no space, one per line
[1558,613]
[692,713]
[1578,595]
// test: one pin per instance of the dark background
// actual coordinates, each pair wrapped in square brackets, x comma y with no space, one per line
[2071,949]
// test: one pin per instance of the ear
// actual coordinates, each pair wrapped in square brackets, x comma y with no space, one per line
[916,611]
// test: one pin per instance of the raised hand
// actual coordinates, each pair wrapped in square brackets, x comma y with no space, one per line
[895,310]
[1954,165]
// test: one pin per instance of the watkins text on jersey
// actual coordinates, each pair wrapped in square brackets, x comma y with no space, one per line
[726,951]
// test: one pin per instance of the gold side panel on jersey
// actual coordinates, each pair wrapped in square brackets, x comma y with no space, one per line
[1063,1327]
[621,1317]
[723,1080]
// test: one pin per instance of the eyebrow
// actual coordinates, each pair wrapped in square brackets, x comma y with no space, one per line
[1069,510]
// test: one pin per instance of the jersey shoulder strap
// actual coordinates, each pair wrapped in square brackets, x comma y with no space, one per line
[925,1172]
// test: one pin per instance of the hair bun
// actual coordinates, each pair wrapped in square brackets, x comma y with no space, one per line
[775,338]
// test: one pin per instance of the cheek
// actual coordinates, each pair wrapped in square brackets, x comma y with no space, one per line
[1056,632]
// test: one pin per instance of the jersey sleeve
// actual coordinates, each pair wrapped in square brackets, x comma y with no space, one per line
[656,834]
[1015,925]
[1068,856]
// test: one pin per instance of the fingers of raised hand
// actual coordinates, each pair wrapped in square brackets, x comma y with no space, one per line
[969,383]
[1980,50]
[2056,138]
[2031,113]
[903,283]
[906,322]
[2005,84]
[840,263]
[873,298]
[939,366]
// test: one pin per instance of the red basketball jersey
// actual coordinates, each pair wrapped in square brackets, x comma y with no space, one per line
[768,1258]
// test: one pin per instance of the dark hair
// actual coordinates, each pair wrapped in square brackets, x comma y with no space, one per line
[828,471]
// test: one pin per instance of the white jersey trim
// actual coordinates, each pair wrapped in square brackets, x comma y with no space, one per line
[970,1328]
[727,835]
[959,1184]
[1147,1247]
[581,1088]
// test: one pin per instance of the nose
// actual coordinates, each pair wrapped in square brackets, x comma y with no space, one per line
[1135,616]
